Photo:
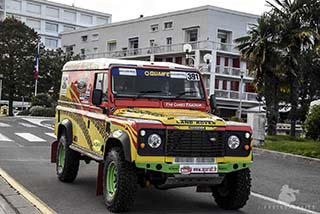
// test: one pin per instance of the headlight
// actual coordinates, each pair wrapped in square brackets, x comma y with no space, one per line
[233,142]
[154,141]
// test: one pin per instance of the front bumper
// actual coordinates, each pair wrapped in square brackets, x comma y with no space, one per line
[174,168]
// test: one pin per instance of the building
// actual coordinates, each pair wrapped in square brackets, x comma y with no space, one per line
[49,19]
[162,37]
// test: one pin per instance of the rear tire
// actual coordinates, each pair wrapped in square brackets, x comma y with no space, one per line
[120,182]
[234,192]
[68,160]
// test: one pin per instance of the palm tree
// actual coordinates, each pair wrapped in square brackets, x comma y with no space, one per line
[259,48]
[296,33]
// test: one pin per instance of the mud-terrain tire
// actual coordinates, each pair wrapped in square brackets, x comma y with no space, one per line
[234,192]
[119,181]
[68,160]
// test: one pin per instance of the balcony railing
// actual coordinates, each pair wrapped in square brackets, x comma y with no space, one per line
[233,71]
[174,48]
[235,95]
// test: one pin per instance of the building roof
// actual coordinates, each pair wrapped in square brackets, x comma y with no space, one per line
[164,15]
[105,63]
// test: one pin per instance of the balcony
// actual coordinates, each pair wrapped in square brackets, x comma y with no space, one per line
[235,95]
[166,49]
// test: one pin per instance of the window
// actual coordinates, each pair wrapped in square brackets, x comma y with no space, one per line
[69,16]
[225,85]
[52,12]
[95,50]
[86,19]
[69,49]
[250,88]
[134,43]
[111,45]
[84,38]
[169,40]
[101,82]
[234,85]
[152,42]
[14,5]
[101,21]
[68,28]
[51,42]
[51,27]
[224,38]
[33,23]
[154,27]
[168,25]
[83,51]
[34,8]
[192,35]
[95,37]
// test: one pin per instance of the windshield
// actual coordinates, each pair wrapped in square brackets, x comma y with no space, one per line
[130,82]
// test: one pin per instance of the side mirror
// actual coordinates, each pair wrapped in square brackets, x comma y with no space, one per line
[97,97]
[213,103]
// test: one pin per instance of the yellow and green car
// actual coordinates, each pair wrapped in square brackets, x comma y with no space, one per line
[148,123]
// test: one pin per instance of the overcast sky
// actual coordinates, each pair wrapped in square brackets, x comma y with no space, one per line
[131,9]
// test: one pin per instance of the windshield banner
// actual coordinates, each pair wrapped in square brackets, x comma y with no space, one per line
[190,76]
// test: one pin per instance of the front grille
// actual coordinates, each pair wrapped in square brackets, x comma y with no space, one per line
[194,143]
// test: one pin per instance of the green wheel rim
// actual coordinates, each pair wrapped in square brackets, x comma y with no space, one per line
[61,157]
[111,181]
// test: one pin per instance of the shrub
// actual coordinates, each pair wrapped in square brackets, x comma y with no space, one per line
[42,111]
[24,112]
[41,99]
[312,123]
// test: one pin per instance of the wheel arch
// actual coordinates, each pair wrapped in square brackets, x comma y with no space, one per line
[122,141]
[65,125]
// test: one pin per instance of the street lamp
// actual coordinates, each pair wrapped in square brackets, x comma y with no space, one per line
[1,77]
[240,94]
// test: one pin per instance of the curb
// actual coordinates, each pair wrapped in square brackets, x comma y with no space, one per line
[34,201]
[287,156]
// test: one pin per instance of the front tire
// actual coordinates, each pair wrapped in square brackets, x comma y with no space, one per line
[68,160]
[234,192]
[120,182]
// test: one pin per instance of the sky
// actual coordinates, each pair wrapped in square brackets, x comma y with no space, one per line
[130,9]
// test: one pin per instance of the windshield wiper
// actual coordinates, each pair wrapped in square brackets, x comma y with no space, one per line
[141,93]
[184,92]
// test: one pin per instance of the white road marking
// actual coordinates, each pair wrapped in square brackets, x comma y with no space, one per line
[4,138]
[28,125]
[51,134]
[284,203]
[4,125]
[30,137]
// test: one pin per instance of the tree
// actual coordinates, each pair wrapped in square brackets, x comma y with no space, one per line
[259,48]
[17,56]
[296,34]
[51,64]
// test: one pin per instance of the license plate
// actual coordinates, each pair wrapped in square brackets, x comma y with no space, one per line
[198,169]
[195,160]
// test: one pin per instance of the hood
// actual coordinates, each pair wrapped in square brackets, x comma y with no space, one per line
[172,116]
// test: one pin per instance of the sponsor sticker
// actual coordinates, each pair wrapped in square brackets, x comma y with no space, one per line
[127,72]
[198,169]
[64,84]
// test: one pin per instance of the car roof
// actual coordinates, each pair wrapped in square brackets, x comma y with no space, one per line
[106,63]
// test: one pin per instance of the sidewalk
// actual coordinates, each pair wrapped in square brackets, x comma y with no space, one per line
[12,202]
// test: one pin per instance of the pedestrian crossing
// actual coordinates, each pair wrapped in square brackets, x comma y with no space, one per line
[28,137]
[23,133]
[4,125]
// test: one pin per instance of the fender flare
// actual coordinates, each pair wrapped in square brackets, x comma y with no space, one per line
[67,125]
[124,140]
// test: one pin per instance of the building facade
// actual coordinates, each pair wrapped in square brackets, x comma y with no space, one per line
[49,19]
[208,29]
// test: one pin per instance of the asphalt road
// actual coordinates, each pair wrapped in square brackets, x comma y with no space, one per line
[27,158]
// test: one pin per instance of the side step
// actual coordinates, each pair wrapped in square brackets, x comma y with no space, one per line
[86,152]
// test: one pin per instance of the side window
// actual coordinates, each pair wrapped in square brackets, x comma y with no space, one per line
[101,82]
